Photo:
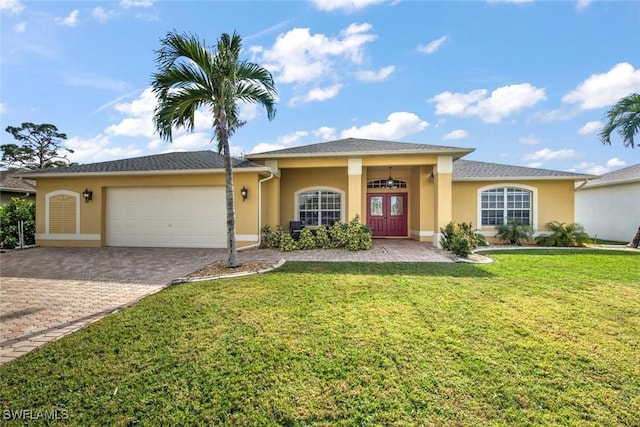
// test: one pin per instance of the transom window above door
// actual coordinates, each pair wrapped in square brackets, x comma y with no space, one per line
[319,207]
[384,183]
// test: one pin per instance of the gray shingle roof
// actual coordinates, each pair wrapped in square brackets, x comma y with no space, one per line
[178,161]
[359,146]
[621,176]
[472,170]
[9,182]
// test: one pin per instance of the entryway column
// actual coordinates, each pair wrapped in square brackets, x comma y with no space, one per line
[354,194]
[443,196]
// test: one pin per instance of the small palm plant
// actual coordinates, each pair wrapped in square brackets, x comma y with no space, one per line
[563,235]
[515,232]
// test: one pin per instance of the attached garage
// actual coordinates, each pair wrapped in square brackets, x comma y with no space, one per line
[184,217]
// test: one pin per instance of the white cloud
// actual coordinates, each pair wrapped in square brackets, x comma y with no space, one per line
[397,126]
[456,134]
[317,94]
[548,154]
[3,109]
[98,149]
[615,163]
[265,146]
[590,127]
[248,111]
[376,76]
[503,102]
[13,6]
[433,46]
[70,20]
[325,133]
[127,4]
[582,5]
[594,169]
[300,57]
[100,14]
[20,27]
[292,138]
[535,164]
[601,90]
[141,106]
[529,140]
[345,5]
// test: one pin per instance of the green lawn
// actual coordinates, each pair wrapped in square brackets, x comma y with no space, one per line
[537,338]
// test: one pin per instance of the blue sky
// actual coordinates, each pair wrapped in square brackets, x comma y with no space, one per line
[523,82]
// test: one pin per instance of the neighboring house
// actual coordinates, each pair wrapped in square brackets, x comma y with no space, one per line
[609,207]
[401,190]
[12,186]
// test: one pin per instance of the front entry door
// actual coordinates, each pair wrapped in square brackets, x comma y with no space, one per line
[387,214]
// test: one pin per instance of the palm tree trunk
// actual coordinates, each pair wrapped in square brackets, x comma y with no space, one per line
[232,255]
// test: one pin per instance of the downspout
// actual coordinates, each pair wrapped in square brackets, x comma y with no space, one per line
[255,245]
[586,181]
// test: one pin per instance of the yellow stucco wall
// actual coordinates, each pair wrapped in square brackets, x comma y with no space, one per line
[92,214]
[553,201]
[294,180]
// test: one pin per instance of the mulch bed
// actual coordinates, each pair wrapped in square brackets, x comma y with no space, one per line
[220,268]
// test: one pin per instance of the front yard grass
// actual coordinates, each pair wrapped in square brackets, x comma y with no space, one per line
[538,338]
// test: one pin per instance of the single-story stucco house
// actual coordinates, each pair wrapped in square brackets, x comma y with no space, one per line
[12,186]
[609,207]
[401,190]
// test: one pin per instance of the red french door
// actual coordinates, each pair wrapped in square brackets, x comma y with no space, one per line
[387,214]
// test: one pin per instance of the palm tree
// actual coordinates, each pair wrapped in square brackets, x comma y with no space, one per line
[624,117]
[192,76]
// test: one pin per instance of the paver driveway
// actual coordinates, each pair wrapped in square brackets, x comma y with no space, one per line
[46,293]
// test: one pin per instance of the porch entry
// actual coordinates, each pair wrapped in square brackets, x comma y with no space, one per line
[387,214]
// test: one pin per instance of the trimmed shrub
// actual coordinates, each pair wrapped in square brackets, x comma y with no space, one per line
[460,238]
[271,238]
[358,235]
[287,243]
[563,235]
[514,232]
[10,214]
[338,232]
[323,240]
[306,240]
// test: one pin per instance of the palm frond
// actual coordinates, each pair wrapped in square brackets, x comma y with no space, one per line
[624,119]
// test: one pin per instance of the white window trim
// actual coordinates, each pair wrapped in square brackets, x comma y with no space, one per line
[296,204]
[66,193]
[534,201]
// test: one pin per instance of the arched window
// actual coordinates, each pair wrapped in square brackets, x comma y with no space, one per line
[319,207]
[505,204]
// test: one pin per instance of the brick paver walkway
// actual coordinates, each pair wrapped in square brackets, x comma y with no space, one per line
[46,293]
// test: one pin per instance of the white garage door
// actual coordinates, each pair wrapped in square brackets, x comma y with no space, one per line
[174,217]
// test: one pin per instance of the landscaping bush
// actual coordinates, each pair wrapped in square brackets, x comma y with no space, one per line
[515,232]
[287,243]
[323,240]
[17,210]
[358,235]
[563,235]
[271,238]
[460,238]
[353,236]
[306,240]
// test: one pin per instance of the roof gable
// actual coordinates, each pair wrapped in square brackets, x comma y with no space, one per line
[168,162]
[620,176]
[360,146]
[468,170]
